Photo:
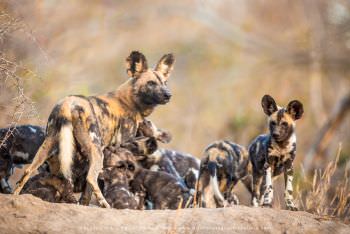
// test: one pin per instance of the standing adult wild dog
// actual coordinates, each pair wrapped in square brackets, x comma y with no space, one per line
[89,124]
[273,153]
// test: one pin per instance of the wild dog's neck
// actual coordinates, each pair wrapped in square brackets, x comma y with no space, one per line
[285,143]
[125,96]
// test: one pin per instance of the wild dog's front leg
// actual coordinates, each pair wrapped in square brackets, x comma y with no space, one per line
[268,194]
[288,193]
[257,179]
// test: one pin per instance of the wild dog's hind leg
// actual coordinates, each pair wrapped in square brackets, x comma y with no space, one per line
[288,193]
[39,159]
[257,179]
[91,145]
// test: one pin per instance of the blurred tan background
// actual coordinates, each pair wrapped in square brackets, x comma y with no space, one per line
[229,54]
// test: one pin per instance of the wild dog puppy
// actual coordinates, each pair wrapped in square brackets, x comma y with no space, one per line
[184,167]
[49,188]
[119,167]
[223,165]
[141,146]
[146,139]
[148,129]
[89,124]
[163,190]
[5,173]
[273,153]
[38,189]
[18,146]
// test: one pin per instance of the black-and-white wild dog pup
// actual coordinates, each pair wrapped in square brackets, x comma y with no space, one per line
[273,153]
[223,165]
[18,146]
[183,166]
[89,124]
[161,189]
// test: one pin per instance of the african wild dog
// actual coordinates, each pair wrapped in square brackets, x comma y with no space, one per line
[49,188]
[145,142]
[223,165]
[89,124]
[184,167]
[18,146]
[141,146]
[273,153]
[163,190]
[119,168]
[148,129]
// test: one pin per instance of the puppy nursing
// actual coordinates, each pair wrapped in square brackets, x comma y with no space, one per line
[119,169]
[104,145]
[184,167]
[127,185]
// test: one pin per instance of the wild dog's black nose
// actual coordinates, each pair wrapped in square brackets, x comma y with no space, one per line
[167,95]
[275,135]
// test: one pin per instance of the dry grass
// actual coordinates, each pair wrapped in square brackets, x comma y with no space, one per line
[327,194]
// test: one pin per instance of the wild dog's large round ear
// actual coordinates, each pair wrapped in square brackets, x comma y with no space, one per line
[165,65]
[268,104]
[136,63]
[295,109]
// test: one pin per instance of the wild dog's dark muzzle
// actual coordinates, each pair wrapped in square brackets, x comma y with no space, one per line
[166,95]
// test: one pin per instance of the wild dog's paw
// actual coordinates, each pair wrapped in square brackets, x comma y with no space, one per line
[233,200]
[225,204]
[291,206]
[267,205]
[103,203]
[255,202]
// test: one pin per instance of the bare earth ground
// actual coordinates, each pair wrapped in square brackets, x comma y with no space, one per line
[27,214]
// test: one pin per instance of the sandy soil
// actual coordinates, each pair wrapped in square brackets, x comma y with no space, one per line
[27,214]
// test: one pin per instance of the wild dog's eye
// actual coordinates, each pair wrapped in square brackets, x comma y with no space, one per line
[284,124]
[273,123]
[121,166]
[151,83]
[131,167]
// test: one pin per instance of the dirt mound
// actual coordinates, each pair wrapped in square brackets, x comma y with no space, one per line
[27,214]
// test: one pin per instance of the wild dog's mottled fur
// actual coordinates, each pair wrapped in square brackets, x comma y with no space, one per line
[19,146]
[119,170]
[223,165]
[141,146]
[89,124]
[163,190]
[273,153]
[149,129]
[185,167]
[49,188]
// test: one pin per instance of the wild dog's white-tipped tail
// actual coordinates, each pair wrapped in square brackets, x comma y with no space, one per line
[66,150]
[214,181]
